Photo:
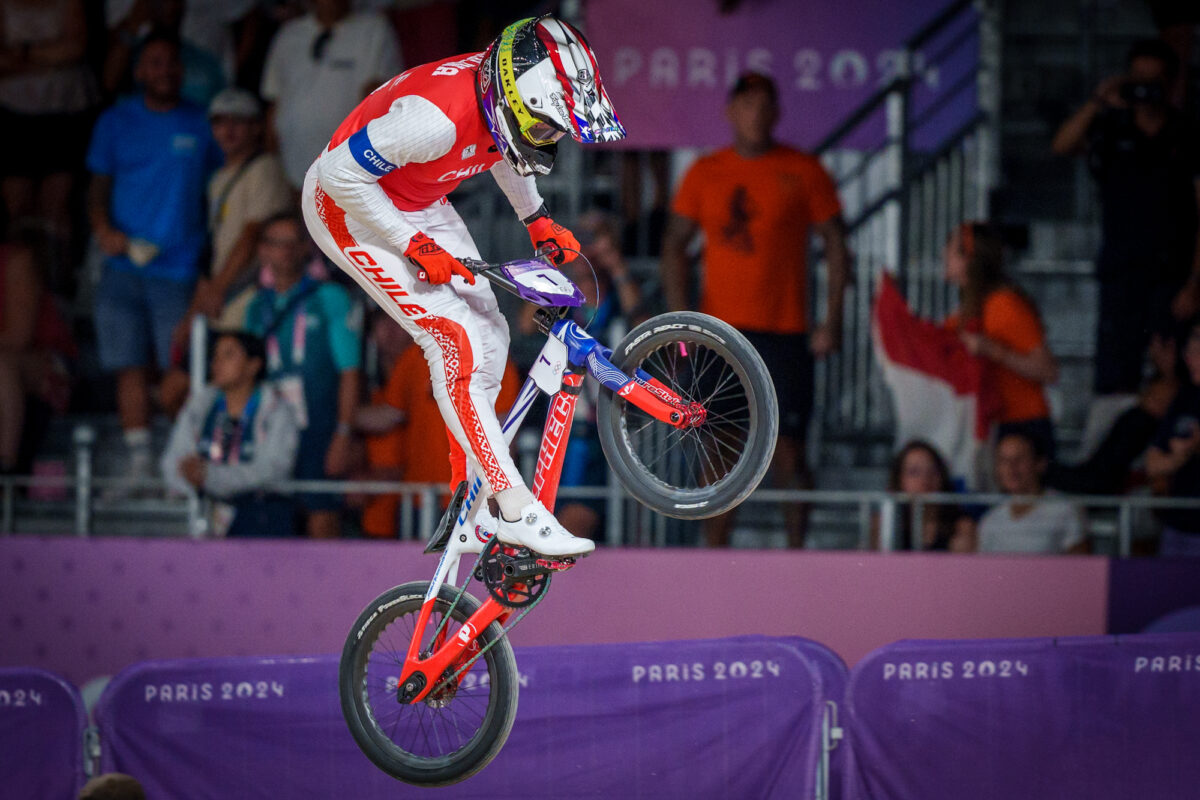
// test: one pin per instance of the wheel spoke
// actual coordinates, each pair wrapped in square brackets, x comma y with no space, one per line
[439,727]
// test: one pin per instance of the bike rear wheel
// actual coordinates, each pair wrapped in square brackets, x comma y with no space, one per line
[454,732]
[703,471]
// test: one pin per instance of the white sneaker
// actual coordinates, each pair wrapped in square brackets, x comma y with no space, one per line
[538,530]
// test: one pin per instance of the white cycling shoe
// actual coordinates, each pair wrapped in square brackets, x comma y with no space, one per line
[538,530]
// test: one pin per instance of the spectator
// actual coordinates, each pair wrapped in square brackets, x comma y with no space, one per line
[112,786]
[150,158]
[1108,467]
[1145,157]
[756,203]
[312,333]
[998,322]
[406,433]
[920,469]
[613,295]
[35,343]
[47,95]
[1171,462]
[382,427]
[1045,526]
[247,189]
[319,67]
[234,439]
[131,23]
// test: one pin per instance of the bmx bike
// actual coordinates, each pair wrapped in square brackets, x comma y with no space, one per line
[688,420]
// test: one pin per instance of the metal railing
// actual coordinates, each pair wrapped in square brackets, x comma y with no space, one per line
[857,512]
[914,160]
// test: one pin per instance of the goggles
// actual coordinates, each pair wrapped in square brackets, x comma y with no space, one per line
[535,131]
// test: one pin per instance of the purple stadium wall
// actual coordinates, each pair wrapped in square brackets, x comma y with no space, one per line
[88,607]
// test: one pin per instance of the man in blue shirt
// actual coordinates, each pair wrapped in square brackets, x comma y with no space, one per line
[313,332]
[150,158]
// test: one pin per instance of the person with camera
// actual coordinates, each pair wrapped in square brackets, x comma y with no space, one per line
[1145,157]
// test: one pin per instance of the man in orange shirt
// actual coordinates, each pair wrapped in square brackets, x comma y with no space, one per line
[756,203]
[406,432]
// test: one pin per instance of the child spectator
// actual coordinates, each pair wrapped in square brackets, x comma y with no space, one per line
[998,322]
[1048,526]
[920,469]
[233,440]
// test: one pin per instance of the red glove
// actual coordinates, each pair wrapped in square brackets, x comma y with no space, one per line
[546,234]
[435,264]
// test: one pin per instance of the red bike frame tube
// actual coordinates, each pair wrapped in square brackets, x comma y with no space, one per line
[554,437]
[452,654]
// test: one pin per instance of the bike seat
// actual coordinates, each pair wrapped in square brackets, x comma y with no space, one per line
[441,534]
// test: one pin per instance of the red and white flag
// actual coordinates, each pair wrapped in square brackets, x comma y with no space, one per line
[936,385]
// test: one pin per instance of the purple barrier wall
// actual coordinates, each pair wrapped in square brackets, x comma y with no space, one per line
[669,66]
[713,718]
[41,735]
[1141,590]
[88,607]
[1095,717]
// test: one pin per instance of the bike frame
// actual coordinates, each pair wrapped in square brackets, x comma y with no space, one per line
[568,354]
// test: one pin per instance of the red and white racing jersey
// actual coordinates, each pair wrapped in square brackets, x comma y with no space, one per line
[411,142]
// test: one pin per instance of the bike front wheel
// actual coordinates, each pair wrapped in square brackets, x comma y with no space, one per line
[702,471]
[456,731]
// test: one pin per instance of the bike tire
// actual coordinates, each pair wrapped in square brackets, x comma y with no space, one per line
[367,715]
[623,427]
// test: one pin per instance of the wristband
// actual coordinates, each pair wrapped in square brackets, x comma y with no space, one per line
[535,216]
[344,429]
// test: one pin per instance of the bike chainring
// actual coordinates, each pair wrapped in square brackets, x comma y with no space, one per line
[514,576]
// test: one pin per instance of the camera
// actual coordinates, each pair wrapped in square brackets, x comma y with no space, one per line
[1144,92]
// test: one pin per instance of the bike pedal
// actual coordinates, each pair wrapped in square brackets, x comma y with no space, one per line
[555,564]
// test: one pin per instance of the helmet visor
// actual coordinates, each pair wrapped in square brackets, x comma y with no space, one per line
[540,134]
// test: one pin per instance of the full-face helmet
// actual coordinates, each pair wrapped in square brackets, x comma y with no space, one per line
[538,81]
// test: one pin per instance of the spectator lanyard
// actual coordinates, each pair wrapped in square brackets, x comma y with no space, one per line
[227,433]
[217,211]
[299,328]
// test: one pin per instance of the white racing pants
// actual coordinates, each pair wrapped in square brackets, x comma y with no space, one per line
[458,326]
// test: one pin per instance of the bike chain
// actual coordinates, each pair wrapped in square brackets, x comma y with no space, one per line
[503,631]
